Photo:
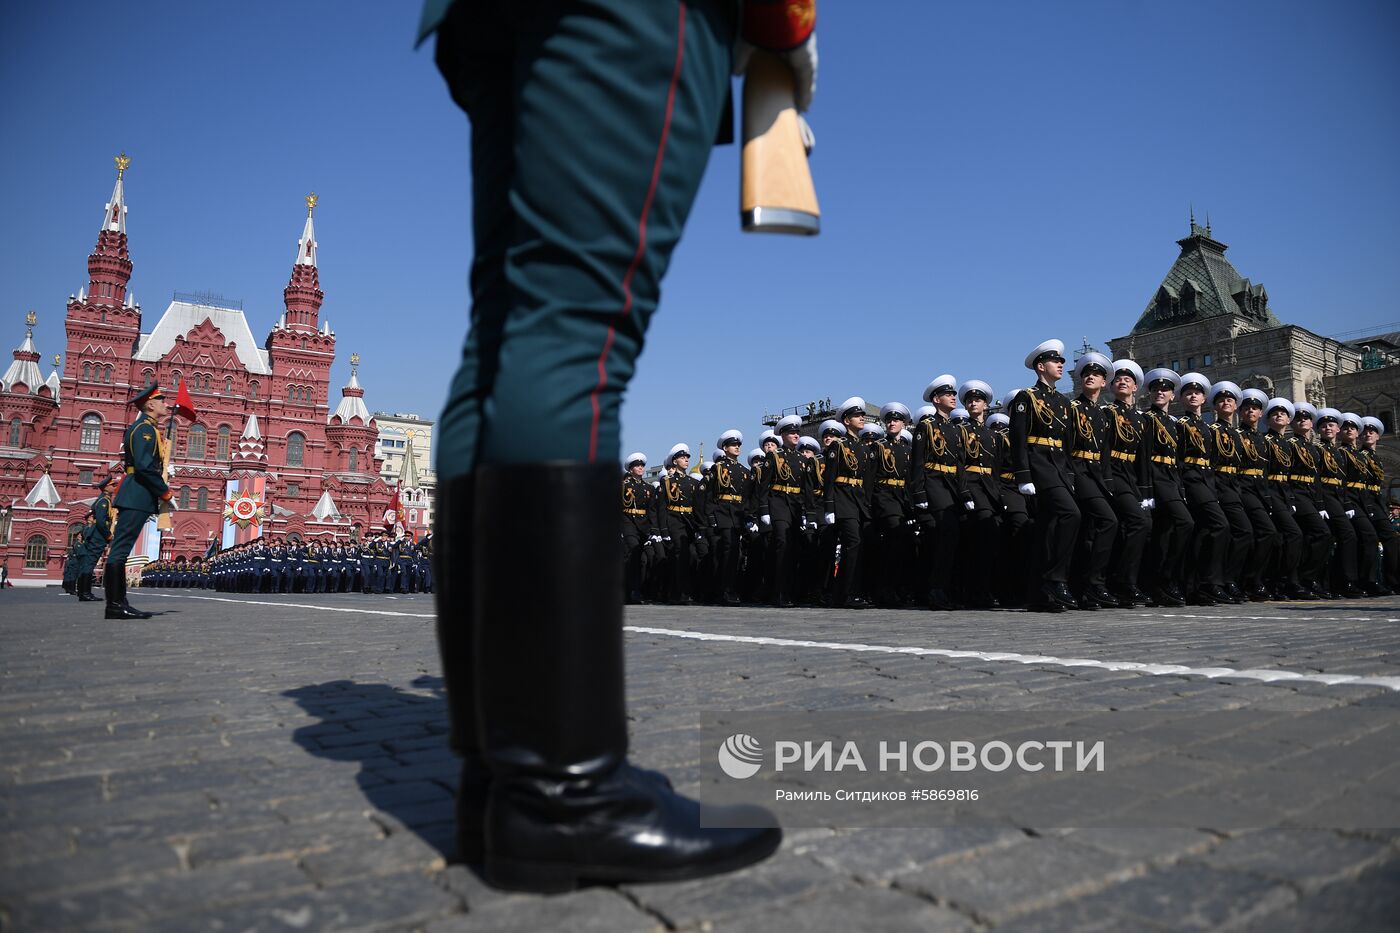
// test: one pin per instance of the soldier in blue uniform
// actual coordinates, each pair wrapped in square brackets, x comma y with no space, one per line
[139,497]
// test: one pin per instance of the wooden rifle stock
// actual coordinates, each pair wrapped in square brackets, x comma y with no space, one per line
[776,190]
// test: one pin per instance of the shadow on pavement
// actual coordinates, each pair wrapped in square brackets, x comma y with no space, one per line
[399,739]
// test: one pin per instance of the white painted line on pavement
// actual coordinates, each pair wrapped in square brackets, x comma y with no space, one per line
[1176,670]
[1141,667]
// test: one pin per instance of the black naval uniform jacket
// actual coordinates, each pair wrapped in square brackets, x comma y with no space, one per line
[845,494]
[680,505]
[1332,473]
[1227,459]
[786,482]
[889,465]
[730,494]
[816,479]
[1159,447]
[1197,455]
[1358,474]
[1128,463]
[1376,507]
[936,465]
[638,506]
[1306,459]
[1088,455]
[978,444]
[1278,470]
[1254,465]
[1039,429]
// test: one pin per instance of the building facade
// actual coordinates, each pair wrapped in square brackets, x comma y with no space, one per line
[264,419]
[405,449]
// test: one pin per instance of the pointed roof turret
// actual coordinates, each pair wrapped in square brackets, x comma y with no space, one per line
[408,477]
[252,452]
[250,430]
[25,368]
[114,215]
[54,382]
[352,401]
[325,507]
[44,491]
[306,246]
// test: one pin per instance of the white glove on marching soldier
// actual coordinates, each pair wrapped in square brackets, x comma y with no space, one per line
[831,518]
[1149,504]
[1027,489]
[921,505]
[1323,513]
[766,519]
[1351,513]
[970,505]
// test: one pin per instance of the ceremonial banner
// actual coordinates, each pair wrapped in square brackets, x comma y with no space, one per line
[245,510]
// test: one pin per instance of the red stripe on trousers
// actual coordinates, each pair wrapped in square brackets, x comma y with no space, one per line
[641,240]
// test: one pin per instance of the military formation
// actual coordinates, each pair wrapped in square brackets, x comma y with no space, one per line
[1151,488]
[379,564]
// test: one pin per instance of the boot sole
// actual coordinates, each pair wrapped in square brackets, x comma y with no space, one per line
[559,878]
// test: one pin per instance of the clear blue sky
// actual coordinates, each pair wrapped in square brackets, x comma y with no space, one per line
[991,174]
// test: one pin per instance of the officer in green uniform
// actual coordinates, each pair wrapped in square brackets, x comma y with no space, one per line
[591,126]
[138,497]
[95,538]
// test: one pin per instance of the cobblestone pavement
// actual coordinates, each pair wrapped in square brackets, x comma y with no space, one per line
[276,763]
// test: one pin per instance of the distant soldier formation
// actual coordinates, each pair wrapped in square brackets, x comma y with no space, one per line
[1105,500]
[378,564]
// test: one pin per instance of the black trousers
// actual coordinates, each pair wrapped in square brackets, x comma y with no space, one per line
[633,542]
[726,560]
[1057,520]
[1267,539]
[940,528]
[1172,526]
[1390,540]
[1205,556]
[784,542]
[1343,566]
[1239,537]
[1367,554]
[1317,542]
[848,538]
[1016,533]
[1134,531]
[1098,533]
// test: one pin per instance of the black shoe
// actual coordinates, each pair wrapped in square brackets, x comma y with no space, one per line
[1103,597]
[1260,594]
[857,602]
[1060,593]
[564,807]
[124,612]
[1351,591]
[1201,597]
[140,613]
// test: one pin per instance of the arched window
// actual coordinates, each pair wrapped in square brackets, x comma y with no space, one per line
[184,497]
[296,449]
[36,552]
[291,393]
[91,437]
[228,383]
[87,372]
[107,374]
[16,426]
[354,460]
[252,390]
[201,501]
[195,443]
[147,377]
[221,452]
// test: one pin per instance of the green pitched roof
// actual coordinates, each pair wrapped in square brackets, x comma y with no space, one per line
[1203,284]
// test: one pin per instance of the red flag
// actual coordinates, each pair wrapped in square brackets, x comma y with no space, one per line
[184,405]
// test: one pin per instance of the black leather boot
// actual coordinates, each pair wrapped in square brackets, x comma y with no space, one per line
[564,807]
[114,584]
[85,593]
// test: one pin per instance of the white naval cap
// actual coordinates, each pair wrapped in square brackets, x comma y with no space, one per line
[1010,397]
[769,435]
[997,420]
[975,385]
[756,454]
[925,411]
[715,454]
[706,466]
[1351,418]
[732,435]
[959,414]
[637,457]
[677,451]
[870,430]
[1255,396]
[1093,359]
[1304,410]
[810,443]
[1224,387]
[1045,350]
[789,423]
[1131,368]
[1194,379]
[854,403]
[897,408]
[1326,414]
[831,426]
[1163,374]
[906,437]
[1373,424]
[1283,403]
[943,383]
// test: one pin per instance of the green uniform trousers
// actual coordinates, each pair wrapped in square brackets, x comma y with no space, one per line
[592,122]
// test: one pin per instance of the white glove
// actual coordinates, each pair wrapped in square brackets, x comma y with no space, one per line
[753,529]
[970,505]
[667,539]
[1149,504]
[921,505]
[699,536]
[802,60]
[1323,513]
[1351,513]
[766,519]
[1293,507]
[1027,489]
[831,518]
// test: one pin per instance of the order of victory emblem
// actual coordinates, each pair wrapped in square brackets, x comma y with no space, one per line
[244,510]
